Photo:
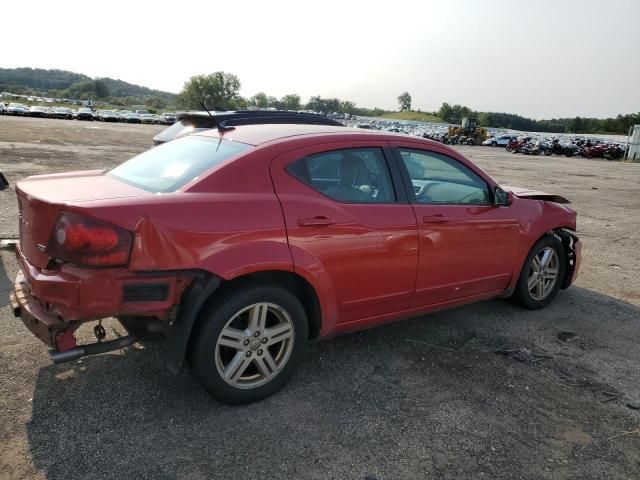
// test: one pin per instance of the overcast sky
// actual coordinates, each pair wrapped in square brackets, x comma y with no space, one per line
[542,58]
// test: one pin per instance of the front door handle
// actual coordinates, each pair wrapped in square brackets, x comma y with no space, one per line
[319,221]
[435,218]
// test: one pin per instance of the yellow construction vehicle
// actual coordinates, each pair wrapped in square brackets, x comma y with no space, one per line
[469,130]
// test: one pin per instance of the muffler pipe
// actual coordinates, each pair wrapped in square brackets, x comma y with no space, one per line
[92,349]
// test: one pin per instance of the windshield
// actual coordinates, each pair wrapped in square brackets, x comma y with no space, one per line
[168,167]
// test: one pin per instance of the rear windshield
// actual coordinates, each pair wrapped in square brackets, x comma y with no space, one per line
[180,129]
[172,165]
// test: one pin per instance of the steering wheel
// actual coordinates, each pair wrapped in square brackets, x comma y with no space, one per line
[472,197]
[422,196]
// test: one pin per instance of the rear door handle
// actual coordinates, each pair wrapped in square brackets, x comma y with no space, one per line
[315,221]
[435,219]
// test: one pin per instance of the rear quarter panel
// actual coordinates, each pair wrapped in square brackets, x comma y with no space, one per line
[228,223]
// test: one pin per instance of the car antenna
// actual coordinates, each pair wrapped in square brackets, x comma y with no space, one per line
[221,128]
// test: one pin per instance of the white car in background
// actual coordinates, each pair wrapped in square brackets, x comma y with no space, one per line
[500,141]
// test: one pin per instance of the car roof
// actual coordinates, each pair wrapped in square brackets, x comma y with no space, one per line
[263,133]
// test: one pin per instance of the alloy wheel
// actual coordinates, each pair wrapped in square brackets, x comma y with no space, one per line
[543,273]
[254,345]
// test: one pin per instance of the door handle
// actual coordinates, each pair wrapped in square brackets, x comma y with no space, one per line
[319,221]
[435,218]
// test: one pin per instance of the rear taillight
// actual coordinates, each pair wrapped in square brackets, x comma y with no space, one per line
[86,241]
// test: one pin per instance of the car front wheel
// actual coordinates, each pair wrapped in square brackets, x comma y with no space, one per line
[249,343]
[542,274]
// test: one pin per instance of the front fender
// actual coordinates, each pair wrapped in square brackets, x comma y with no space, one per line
[539,217]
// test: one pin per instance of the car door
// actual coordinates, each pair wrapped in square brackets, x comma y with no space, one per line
[356,236]
[467,244]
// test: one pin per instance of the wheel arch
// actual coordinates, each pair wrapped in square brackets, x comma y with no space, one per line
[567,237]
[207,287]
[291,281]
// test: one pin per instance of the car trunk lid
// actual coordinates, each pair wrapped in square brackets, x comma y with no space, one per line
[41,198]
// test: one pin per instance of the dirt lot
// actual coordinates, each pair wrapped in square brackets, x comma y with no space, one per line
[424,398]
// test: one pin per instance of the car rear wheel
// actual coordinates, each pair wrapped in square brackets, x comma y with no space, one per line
[542,274]
[249,344]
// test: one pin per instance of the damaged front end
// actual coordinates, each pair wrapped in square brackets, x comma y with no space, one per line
[573,250]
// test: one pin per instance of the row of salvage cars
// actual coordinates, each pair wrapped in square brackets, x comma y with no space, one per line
[85,113]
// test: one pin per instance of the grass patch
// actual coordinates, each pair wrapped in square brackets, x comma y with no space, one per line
[414,116]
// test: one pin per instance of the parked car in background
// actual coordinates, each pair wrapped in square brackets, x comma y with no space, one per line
[132,118]
[85,114]
[109,116]
[62,113]
[142,112]
[239,245]
[17,109]
[499,141]
[149,118]
[123,114]
[3,108]
[169,118]
[39,111]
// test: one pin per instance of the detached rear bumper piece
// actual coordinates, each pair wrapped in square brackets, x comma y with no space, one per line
[41,323]
[72,293]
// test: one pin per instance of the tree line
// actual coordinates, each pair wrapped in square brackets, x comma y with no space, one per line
[222,90]
[620,124]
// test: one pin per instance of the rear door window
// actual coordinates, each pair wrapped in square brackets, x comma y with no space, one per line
[354,175]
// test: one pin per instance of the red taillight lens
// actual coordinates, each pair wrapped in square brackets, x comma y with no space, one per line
[86,241]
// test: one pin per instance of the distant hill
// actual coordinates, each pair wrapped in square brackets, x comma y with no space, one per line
[120,88]
[39,79]
[61,82]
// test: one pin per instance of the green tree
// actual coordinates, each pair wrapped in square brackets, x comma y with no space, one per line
[291,102]
[217,90]
[259,100]
[155,103]
[273,102]
[101,89]
[576,125]
[404,99]
[446,112]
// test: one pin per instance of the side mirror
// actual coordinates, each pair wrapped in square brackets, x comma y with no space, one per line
[502,198]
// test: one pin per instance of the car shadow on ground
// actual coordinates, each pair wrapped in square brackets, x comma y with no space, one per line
[6,285]
[422,398]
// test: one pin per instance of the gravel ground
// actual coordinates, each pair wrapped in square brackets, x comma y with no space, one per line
[423,398]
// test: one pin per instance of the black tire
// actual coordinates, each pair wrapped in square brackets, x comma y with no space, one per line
[214,318]
[494,144]
[522,295]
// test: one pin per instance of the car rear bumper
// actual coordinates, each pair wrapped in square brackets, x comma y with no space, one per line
[41,323]
[52,301]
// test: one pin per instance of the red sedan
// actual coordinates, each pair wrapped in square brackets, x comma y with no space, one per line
[238,246]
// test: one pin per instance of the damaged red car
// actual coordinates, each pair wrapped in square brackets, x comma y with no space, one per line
[237,246]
